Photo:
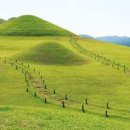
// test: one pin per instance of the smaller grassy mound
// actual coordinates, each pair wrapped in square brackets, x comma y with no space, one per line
[52,53]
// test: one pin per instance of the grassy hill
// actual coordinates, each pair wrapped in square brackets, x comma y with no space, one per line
[28,25]
[98,82]
[52,53]
[60,82]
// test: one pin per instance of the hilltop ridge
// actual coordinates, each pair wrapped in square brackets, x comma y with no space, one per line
[29,25]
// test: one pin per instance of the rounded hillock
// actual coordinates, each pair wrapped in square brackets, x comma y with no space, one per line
[29,25]
[52,54]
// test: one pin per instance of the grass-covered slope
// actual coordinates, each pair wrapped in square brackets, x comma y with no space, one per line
[114,52]
[96,81]
[13,87]
[52,53]
[2,21]
[55,118]
[28,25]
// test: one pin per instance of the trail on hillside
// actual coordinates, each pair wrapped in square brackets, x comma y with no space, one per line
[38,88]
[98,57]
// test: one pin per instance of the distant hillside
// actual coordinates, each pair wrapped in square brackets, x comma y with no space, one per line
[116,39]
[2,21]
[29,25]
[85,36]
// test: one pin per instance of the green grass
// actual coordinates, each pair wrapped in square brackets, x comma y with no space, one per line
[28,25]
[93,80]
[24,118]
[13,88]
[51,53]
[115,52]
[2,21]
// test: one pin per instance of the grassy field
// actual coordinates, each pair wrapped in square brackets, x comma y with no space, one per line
[70,73]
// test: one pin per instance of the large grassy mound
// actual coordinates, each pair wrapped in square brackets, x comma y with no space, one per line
[28,25]
[52,53]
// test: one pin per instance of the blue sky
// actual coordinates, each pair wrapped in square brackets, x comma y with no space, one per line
[93,17]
